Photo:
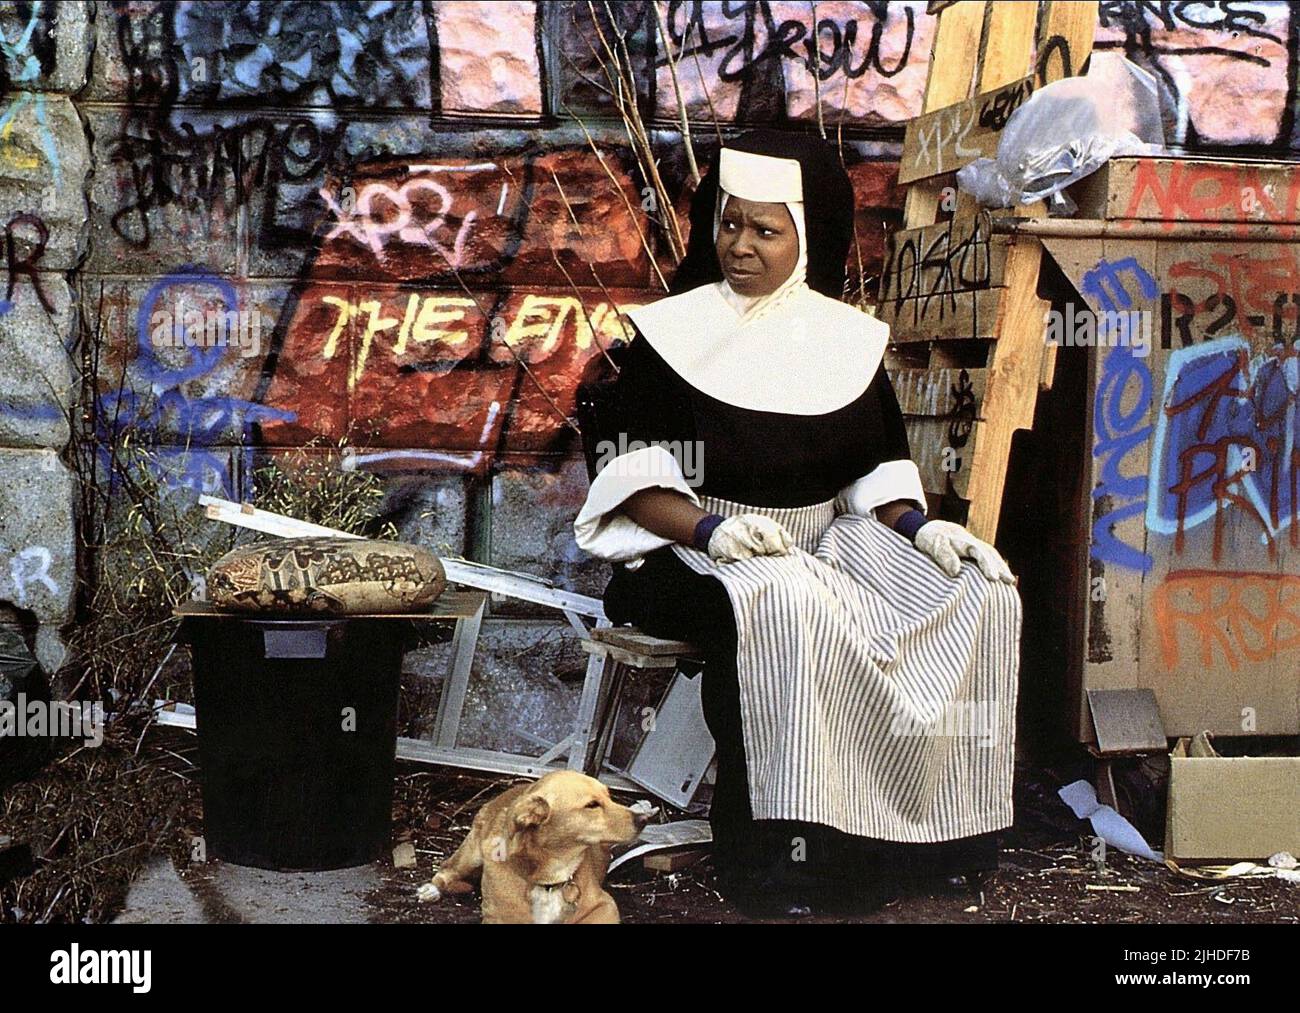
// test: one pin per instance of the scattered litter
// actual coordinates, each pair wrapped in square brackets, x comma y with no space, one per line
[1112,889]
[660,836]
[1110,826]
[971,910]
[673,861]
[1283,860]
[1239,870]
[404,855]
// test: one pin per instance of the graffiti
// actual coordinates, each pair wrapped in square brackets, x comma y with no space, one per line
[923,263]
[184,431]
[1226,438]
[24,262]
[748,34]
[1226,17]
[1197,49]
[31,566]
[284,54]
[754,60]
[432,335]
[369,226]
[996,110]
[1174,190]
[1255,292]
[1240,617]
[212,175]
[962,420]
[1120,408]
[28,55]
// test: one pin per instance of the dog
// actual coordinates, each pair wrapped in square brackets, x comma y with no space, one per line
[541,851]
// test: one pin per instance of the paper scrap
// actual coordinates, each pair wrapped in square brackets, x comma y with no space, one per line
[1110,826]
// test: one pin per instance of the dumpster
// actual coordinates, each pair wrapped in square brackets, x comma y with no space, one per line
[297,730]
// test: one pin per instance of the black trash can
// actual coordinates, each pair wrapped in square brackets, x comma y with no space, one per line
[297,730]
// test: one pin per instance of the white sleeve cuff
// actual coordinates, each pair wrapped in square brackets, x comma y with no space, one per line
[602,529]
[887,482]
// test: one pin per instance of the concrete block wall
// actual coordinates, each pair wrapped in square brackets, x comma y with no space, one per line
[404,197]
[45,169]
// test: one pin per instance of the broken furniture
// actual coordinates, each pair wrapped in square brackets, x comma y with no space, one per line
[297,727]
[576,751]
[676,748]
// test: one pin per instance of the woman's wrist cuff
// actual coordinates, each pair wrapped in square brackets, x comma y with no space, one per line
[910,523]
[704,531]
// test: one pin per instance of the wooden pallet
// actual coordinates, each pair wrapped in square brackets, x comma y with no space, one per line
[968,355]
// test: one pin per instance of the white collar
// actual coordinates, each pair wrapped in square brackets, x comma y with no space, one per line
[811,355]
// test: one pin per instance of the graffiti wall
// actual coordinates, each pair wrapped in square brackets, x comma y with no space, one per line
[409,228]
[1195,461]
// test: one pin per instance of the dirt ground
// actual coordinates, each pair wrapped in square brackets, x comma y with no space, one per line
[95,818]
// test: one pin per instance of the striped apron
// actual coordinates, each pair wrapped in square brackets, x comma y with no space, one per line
[877,694]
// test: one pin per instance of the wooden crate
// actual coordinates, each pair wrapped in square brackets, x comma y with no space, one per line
[1193,549]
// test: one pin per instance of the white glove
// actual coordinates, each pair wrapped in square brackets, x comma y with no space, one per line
[748,535]
[946,543]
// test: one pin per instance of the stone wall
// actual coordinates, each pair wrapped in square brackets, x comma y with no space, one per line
[403,200]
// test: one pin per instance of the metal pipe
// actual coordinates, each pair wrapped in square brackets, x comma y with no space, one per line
[1224,232]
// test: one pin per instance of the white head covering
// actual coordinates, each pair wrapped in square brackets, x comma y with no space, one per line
[793,351]
[768,180]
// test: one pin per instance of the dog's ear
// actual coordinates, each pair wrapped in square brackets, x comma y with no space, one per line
[531,811]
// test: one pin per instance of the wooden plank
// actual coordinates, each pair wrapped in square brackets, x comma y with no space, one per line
[948,315]
[1011,390]
[941,408]
[1120,458]
[951,69]
[631,639]
[673,861]
[628,657]
[1008,48]
[954,136]
[939,393]
[1065,39]
[952,256]
[1135,188]
[950,135]
[953,54]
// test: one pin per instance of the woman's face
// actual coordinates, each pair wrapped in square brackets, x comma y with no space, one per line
[757,246]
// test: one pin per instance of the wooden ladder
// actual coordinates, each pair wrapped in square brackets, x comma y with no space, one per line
[967,355]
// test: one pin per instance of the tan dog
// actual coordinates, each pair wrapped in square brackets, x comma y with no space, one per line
[542,850]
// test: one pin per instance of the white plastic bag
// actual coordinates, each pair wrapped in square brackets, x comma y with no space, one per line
[1065,131]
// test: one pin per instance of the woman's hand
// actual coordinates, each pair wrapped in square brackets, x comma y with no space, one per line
[747,535]
[946,543]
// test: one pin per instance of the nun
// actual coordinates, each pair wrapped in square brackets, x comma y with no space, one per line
[861,660]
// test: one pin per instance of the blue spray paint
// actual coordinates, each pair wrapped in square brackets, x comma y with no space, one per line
[1118,432]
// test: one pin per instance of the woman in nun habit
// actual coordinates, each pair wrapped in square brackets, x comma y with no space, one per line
[860,660]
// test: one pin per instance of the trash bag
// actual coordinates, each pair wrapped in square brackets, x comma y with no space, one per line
[1065,131]
[20,673]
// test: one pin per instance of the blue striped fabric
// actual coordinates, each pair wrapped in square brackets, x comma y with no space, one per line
[877,693]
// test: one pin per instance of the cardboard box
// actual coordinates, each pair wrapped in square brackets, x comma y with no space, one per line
[1225,808]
